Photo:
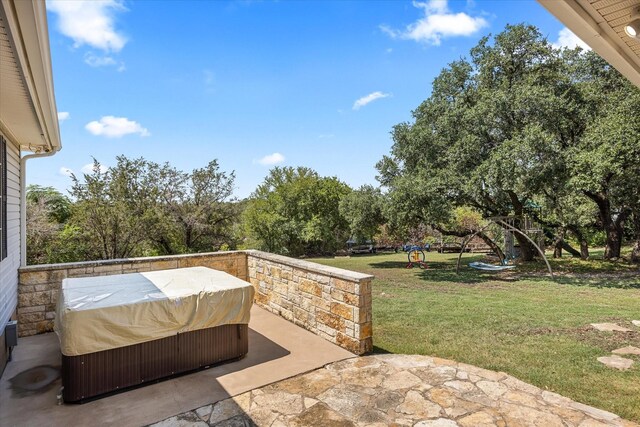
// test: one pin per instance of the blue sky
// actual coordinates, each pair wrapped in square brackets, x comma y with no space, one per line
[254,84]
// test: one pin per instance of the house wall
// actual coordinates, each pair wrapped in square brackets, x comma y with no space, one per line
[333,303]
[330,302]
[9,266]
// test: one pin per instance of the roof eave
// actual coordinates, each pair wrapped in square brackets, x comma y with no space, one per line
[598,36]
[27,22]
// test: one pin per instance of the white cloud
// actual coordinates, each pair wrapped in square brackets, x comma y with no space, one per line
[90,22]
[94,60]
[63,115]
[566,38]
[88,168]
[368,99]
[438,23]
[98,61]
[271,159]
[115,127]
[65,171]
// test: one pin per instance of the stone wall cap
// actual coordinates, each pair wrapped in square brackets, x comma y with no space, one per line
[117,261]
[313,267]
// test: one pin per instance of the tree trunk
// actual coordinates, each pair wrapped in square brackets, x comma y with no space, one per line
[188,234]
[527,250]
[494,247]
[614,241]
[635,252]
[557,244]
[584,249]
[612,227]
[584,245]
[567,247]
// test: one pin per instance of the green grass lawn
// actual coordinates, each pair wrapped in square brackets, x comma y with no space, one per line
[520,322]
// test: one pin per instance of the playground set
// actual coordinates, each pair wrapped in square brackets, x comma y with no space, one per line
[502,228]
[506,227]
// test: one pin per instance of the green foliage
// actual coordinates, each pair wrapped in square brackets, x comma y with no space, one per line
[115,209]
[196,212]
[57,204]
[466,220]
[46,216]
[517,122]
[605,163]
[295,211]
[362,208]
[135,208]
[41,231]
[68,246]
[484,138]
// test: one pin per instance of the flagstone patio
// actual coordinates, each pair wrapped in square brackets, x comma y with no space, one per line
[398,390]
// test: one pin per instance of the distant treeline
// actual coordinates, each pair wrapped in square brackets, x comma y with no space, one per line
[520,128]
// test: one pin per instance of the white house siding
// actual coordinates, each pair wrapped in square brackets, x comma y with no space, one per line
[9,266]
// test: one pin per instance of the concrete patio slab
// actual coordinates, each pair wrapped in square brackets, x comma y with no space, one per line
[277,350]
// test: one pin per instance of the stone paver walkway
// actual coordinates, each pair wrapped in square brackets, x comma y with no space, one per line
[398,390]
[610,327]
[614,361]
[627,350]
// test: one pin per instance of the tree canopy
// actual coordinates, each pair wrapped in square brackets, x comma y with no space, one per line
[362,208]
[295,211]
[135,208]
[508,126]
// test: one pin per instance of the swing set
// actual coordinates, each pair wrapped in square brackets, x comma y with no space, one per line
[507,227]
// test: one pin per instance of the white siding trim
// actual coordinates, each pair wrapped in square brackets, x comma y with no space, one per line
[9,266]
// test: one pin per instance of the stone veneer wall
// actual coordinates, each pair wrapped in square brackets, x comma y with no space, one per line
[38,285]
[331,302]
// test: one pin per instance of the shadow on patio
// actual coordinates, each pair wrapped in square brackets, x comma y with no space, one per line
[277,350]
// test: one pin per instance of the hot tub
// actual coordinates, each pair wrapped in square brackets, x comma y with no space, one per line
[127,330]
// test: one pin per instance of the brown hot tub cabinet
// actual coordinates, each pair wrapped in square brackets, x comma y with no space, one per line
[128,330]
[90,375]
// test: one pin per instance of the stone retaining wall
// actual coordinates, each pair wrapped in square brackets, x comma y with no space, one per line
[39,285]
[331,302]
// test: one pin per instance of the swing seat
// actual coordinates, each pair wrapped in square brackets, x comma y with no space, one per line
[490,267]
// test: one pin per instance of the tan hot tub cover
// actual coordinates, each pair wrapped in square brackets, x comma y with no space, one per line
[106,312]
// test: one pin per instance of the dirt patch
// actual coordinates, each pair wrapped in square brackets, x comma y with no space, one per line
[608,341]
[604,275]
